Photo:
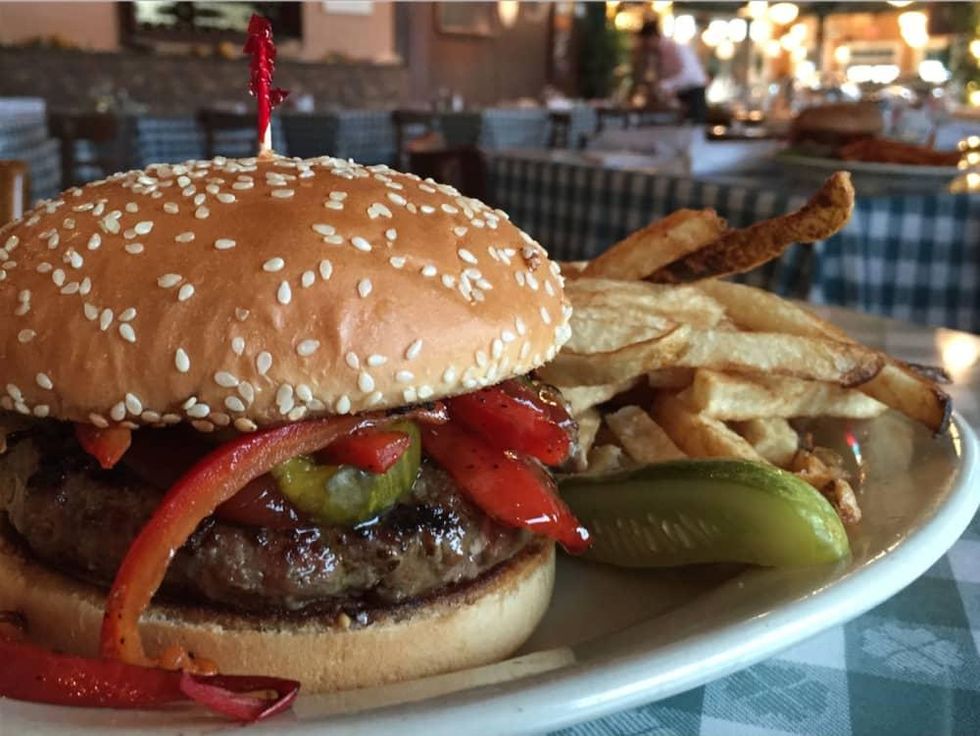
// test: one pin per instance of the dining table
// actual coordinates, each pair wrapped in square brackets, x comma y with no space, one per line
[908,667]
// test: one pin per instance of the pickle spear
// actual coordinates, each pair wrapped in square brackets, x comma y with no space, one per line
[344,495]
[695,511]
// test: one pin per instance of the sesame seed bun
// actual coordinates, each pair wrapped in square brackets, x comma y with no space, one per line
[480,623]
[249,292]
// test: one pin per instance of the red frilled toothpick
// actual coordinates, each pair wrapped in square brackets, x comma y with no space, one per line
[263,65]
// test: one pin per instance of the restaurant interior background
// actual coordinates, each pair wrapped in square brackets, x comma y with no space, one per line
[553,111]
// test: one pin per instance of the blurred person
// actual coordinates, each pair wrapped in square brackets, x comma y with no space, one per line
[678,70]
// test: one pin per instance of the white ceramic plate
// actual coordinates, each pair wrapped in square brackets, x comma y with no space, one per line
[617,638]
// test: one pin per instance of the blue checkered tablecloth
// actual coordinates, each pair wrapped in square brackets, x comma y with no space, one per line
[915,257]
[172,139]
[24,137]
[909,667]
[367,136]
[497,128]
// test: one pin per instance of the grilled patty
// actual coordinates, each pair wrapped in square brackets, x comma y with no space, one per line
[82,519]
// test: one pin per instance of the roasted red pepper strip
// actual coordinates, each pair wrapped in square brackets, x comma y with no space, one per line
[211,481]
[37,675]
[373,450]
[507,488]
[105,445]
[512,423]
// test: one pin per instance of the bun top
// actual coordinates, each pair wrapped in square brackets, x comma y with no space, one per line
[841,119]
[256,291]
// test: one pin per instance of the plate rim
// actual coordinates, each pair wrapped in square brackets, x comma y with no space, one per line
[878,168]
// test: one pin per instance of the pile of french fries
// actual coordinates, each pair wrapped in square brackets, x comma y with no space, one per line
[668,361]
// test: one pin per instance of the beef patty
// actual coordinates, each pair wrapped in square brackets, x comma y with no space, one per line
[82,519]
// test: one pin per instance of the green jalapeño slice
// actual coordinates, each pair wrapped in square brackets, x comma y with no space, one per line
[344,495]
[695,511]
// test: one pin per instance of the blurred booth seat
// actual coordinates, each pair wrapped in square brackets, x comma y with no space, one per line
[497,128]
[367,136]
[92,145]
[220,124]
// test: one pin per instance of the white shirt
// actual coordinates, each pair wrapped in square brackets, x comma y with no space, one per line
[680,67]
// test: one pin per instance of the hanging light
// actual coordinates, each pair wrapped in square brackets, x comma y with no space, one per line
[761,30]
[782,14]
[899,3]
[725,50]
[798,31]
[913,25]
[842,55]
[685,29]
[507,11]
[773,49]
[738,29]
[756,9]
[659,7]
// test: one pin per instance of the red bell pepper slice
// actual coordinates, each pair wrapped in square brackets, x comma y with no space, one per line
[512,422]
[105,445]
[507,488]
[37,675]
[212,480]
[373,450]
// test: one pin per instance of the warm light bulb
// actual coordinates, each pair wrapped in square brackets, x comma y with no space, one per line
[959,351]
[738,29]
[899,3]
[975,48]
[761,30]
[659,7]
[507,11]
[773,49]
[783,13]
[842,55]
[685,29]
[725,50]
[756,9]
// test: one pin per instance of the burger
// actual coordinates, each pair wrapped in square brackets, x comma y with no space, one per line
[823,129]
[288,400]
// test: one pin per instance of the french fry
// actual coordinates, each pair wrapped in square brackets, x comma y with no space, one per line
[896,385]
[597,331]
[697,435]
[675,378]
[659,243]
[574,369]
[741,250]
[589,422]
[609,301]
[772,438]
[815,359]
[642,438]
[738,397]
[582,398]
[605,459]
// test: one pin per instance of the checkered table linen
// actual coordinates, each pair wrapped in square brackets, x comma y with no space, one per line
[915,257]
[909,667]
[159,139]
[24,137]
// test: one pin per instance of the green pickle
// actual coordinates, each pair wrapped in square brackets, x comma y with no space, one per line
[344,495]
[696,511]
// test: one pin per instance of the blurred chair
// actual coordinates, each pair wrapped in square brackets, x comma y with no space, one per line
[15,188]
[213,122]
[410,124]
[101,131]
[463,167]
[561,126]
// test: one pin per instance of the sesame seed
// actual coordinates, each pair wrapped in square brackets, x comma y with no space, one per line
[404,376]
[391,234]
[238,345]
[90,311]
[240,185]
[307,348]
[425,392]
[198,410]
[185,292]
[334,240]
[284,294]
[376,360]
[323,229]
[507,336]
[233,403]
[181,361]
[545,317]
[307,279]
[202,426]
[364,287]
[352,360]
[338,196]
[202,212]
[397,261]
[413,350]
[225,197]
[427,209]
[365,382]
[284,398]
[449,375]
[465,255]
[361,244]
[496,348]
[58,276]
[169,280]
[42,410]
[448,280]
[243,424]
[184,237]
[118,412]
[448,209]
[241,314]
[304,393]
[189,403]
[44,267]
[69,288]
[459,231]
[246,391]
[133,404]
[377,210]
[282,193]
[94,241]
[333,205]
[326,268]
[273,265]
[343,405]
[410,395]
[105,319]
[428,270]
[134,248]
[143,227]
[224,243]
[26,335]
[127,314]
[126,332]
[225,379]
[482,359]
[263,362]
[98,421]
[171,208]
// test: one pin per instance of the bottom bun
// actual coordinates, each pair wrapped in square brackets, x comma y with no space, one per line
[478,623]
